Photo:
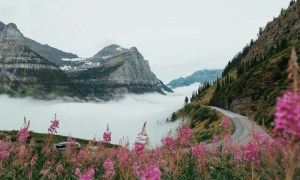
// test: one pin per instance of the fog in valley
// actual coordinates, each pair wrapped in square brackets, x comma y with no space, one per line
[88,120]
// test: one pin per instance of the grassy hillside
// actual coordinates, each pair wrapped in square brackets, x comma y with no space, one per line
[257,75]
[204,121]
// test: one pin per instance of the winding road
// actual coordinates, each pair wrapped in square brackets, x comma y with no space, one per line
[243,126]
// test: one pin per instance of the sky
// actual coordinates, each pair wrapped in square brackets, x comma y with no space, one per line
[178,37]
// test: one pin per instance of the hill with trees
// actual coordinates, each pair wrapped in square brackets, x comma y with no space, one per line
[253,79]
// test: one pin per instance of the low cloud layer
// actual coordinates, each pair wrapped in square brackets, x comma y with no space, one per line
[88,120]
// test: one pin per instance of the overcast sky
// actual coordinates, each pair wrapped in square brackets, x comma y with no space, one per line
[178,37]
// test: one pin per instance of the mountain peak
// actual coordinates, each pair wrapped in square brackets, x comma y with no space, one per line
[109,51]
[2,26]
[11,33]
[134,49]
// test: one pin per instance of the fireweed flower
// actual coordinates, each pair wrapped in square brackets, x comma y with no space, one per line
[59,169]
[87,175]
[225,123]
[4,154]
[73,160]
[22,150]
[5,144]
[77,172]
[287,116]
[251,152]
[215,138]
[33,160]
[23,134]
[187,132]
[139,148]
[259,138]
[168,142]
[54,126]
[107,135]
[199,152]
[109,167]
[32,143]
[151,172]
[227,138]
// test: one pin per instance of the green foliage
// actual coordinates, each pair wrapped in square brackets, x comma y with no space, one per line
[256,87]
[186,100]
[173,117]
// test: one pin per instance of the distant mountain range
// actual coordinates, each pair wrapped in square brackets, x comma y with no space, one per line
[198,76]
[28,68]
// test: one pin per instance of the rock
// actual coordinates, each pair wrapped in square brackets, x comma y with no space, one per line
[115,71]
[11,34]
[25,73]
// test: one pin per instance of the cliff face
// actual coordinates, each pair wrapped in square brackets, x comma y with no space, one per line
[115,71]
[28,68]
[51,54]
[25,73]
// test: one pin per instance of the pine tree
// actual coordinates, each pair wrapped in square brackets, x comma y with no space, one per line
[186,100]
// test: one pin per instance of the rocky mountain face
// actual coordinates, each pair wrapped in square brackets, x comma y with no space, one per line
[51,54]
[26,73]
[201,76]
[28,68]
[257,75]
[114,71]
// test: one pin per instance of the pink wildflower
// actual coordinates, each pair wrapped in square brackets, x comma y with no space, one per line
[287,116]
[54,125]
[251,152]
[81,153]
[23,134]
[107,135]
[225,123]
[45,172]
[4,144]
[199,152]
[4,154]
[227,138]
[139,148]
[59,169]
[109,167]
[187,132]
[87,175]
[77,172]
[260,137]
[32,143]
[122,156]
[22,150]
[216,138]
[168,142]
[73,160]
[151,172]
[238,153]
[33,160]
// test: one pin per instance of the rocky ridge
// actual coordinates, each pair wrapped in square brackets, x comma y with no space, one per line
[25,73]
[115,71]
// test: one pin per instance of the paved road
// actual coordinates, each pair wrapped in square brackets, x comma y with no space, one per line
[243,126]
